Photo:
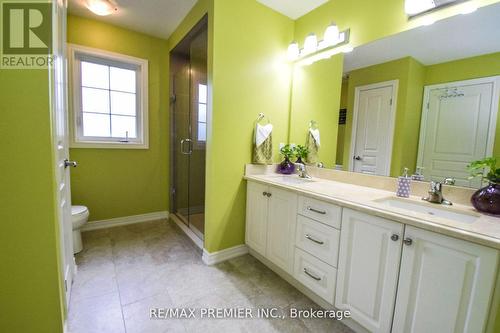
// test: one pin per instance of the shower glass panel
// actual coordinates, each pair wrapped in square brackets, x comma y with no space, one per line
[188,62]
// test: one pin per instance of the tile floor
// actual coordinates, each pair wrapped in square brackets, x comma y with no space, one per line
[124,271]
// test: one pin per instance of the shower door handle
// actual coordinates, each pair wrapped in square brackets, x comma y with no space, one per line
[188,141]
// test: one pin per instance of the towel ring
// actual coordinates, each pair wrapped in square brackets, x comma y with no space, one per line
[313,124]
[261,117]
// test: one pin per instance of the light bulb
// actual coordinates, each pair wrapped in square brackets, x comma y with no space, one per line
[331,36]
[310,44]
[428,21]
[293,51]
[347,49]
[101,7]
[413,7]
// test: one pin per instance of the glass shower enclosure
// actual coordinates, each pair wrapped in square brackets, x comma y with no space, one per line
[188,110]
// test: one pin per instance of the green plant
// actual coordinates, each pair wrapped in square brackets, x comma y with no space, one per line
[477,169]
[287,151]
[301,151]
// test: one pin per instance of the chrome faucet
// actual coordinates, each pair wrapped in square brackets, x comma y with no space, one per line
[436,194]
[301,168]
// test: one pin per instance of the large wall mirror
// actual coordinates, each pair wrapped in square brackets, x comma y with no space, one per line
[424,99]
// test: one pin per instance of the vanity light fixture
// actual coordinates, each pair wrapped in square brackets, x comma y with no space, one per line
[101,7]
[310,44]
[414,7]
[333,42]
[293,51]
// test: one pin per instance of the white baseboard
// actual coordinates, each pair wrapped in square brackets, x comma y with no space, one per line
[190,233]
[223,255]
[119,221]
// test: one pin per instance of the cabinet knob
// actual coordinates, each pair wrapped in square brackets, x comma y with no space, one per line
[264,193]
[269,195]
[395,237]
[408,241]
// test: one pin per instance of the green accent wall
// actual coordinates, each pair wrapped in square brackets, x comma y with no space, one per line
[410,75]
[31,298]
[122,182]
[314,97]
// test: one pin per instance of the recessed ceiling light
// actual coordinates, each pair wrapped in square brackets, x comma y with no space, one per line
[101,7]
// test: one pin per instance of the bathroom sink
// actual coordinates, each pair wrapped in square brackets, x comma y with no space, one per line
[292,180]
[430,209]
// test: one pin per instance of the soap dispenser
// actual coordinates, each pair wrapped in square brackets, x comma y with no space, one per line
[404,183]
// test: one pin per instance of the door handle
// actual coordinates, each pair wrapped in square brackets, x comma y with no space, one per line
[190,151]
[357,158]
[322,212]
[317,278]
[68,163]
[314,240]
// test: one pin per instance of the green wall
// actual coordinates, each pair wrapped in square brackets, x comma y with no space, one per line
[250,75]
[31,298]
[315,97]
[122,182]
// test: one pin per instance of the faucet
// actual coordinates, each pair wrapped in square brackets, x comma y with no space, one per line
[436,194]
[301,168]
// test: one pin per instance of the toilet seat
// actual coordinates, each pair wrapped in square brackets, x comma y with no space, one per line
[79,216]
[78,210]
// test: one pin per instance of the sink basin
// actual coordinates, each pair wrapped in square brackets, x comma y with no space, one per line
[292,179]
[430,210]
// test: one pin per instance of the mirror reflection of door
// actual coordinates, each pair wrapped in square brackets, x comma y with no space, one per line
[373,128]
[458,125]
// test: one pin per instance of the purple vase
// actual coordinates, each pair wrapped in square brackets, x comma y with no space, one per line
[286,167]
[487,199]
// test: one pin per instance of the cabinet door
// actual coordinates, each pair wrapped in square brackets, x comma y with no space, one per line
[368,269]
[445,284]
[256,220]
[281,228]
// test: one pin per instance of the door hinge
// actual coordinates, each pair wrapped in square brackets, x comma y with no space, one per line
[390,102]
[428,105]
[172,191]
[173,98]
[65,285]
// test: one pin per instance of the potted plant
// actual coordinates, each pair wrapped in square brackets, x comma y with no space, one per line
[486,199]
[287,167]
[301,153]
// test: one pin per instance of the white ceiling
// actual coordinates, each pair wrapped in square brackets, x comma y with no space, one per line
[458,37]
[293,8]
[153,17]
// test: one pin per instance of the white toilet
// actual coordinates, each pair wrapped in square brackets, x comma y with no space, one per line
[79,216]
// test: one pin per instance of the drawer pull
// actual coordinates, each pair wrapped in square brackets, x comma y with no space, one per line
[312,275]
[316,211]
[314,240]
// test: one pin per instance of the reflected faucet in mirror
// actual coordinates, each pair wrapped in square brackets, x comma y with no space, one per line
[436,193]
[302,171]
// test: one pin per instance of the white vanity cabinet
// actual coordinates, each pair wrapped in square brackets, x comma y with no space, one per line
[445,284]
[435,283]
[367,278]
[270,223]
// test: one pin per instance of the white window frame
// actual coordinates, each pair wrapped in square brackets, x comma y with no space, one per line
[77,140]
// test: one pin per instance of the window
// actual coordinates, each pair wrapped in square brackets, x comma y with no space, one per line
[109,100]
[202,113]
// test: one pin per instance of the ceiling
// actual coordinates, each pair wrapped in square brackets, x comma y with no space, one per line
[157,18]
[458,37]
[293,8]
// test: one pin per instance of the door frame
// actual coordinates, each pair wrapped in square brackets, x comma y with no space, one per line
[495,80]
[392,125]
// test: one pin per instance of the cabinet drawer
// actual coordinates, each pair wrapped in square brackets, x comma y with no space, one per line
[318,239]
[315,275]
[320,211]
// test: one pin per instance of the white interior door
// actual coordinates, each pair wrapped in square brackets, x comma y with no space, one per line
[373,127]
[59,109]
[458,125]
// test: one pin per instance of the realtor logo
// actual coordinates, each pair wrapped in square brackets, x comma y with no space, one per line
[26,35]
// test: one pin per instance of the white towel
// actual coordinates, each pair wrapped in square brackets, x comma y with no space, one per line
[262,133]
[315,135]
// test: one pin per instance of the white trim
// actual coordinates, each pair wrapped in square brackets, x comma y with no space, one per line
[495,80]
[76,141]
[120,221]
[392,127]
[223,255]
[190,233]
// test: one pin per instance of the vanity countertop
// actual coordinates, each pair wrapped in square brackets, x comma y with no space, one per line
[483,230]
